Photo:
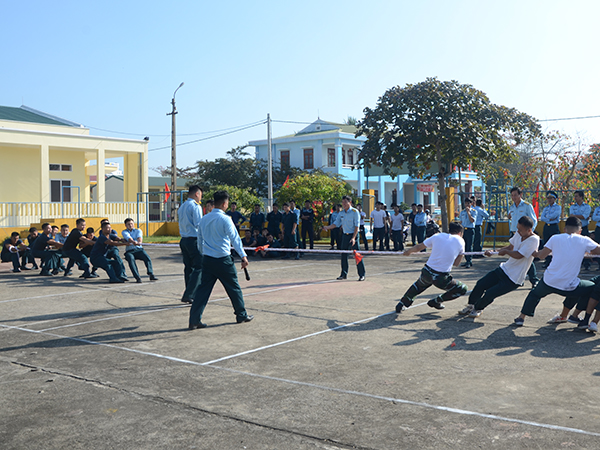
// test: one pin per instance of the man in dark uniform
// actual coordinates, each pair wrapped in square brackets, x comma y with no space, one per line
[257,219]
[290,226]
[99,251]
[274,219]
[12,248]
[308,217]
[237,217]
[76,256]
[50,258]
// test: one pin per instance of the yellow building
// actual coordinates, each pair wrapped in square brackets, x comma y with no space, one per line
[41,153]
[49,165]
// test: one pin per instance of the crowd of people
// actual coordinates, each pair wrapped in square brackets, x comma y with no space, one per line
[209,240]
[79,247]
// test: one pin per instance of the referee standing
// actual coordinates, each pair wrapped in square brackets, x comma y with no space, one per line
[190,214]
[349,221]
[216,235]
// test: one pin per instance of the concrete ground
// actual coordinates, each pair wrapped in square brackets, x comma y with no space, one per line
[325,364]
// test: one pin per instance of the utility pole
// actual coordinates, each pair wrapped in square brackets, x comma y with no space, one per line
[270,160]
[173,157]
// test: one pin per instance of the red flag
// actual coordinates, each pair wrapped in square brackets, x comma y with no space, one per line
[536,201]
[262,247]
[358,257]
[286,180]
[168,192]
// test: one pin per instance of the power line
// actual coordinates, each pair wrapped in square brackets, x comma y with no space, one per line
[178,134]
[211,137]
[291,121]
[569,118]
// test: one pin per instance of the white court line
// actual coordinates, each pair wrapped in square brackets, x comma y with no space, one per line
[327,388]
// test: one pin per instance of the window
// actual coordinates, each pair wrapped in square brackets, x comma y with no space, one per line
[350,157]
[61,167]
[309,162]
[57,193]
[284,158]
[331,157]
[343,157]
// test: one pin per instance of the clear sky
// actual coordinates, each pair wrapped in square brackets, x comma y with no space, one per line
[113,65]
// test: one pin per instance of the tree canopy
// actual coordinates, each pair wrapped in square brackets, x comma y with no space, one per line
[444,123]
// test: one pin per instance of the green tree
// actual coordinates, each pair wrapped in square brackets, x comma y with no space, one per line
[442,124]
[244,197]
[322,189]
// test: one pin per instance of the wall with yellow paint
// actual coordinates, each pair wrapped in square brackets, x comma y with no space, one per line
[20,174]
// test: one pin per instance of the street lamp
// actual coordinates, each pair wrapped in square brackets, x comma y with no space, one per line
[173,155]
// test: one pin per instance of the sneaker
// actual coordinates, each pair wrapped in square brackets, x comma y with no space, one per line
[475,313]
[558,319]
[466,310]
[400,307]
[534,283]
[434,303]
[583,325]
[519,322]
[593,327]
[574,319]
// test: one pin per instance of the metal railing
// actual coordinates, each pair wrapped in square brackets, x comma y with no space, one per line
[23,214]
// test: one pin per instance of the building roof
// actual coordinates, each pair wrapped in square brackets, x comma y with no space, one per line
[26,114]
[321,125]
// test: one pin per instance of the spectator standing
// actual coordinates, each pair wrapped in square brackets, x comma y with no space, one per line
[420,223]
[361,229]
[274,219]
[296,211]
[237,217]
[467,220]
[378,223]
[413,226]
[290,226]
[482,215]
[257,219]
[308,217]
[397,228]
[582,211]
[334,232]
[551,218]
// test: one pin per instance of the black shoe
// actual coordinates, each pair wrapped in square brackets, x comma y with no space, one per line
[45,273]
[244,319]
[25,268]
[70,272]
[86,275]
[197,326]
[16,270]
[534,283]
[35,267]
[187,300]
[139,280]
[152,277]
[55,272]
[400,307]
[361,278]
[117,280]
[434,303]
[341,277]
[124,279]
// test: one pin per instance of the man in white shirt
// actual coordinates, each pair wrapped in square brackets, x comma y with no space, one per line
[378,219]
[568,250]
[397,220]
[446,251]
[361,229]
[510,275]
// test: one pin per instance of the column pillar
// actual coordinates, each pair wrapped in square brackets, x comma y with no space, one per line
[44,173]
[338,156]
[381,189]
[100,182]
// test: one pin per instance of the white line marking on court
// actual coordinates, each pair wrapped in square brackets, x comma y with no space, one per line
[326,388]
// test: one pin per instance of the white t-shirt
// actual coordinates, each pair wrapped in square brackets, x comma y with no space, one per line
[444,250]
[397,221]
[567,254]
[362,217]
[516,269]
[378,218]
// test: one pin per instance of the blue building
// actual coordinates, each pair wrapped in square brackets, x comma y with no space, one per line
[332,147]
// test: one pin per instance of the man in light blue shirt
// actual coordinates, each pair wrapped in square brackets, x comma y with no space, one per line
[582,211]
[348,220]
[216,235]
[518,209]
[134,250]
[551,218]
[420,222]
[190,214]
[482,215]
[467,219]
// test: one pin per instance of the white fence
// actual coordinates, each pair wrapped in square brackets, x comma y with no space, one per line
[24,214]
